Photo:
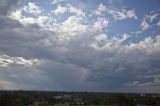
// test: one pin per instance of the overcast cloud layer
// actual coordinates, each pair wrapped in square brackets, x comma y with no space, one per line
[80,45]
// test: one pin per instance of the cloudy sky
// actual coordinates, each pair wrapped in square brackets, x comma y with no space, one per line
[80,45]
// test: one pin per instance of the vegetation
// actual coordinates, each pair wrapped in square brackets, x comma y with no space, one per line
[44,98]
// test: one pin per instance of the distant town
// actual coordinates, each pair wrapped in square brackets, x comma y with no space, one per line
[48,98]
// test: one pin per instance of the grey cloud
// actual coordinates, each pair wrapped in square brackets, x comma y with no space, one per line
[5,6]
[107,69]
[22,77]
[75,65]
[6,22]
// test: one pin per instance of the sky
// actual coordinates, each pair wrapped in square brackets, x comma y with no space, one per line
[80,45]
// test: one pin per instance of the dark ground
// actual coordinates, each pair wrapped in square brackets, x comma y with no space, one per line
[48,98]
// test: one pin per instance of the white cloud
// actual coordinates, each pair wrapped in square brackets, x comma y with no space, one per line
[101,8]
[158,24]
[152,17]
[57,1]
[100,23]
[70,9]
[131,14]
[147,22]
[40,20]
[60,10]
[44,21]
[103,42]
[6,60]
[76,11]
[101,37]
[148,45]
[149,86]
[100,41]
[70,28]
[16,14]
[144,25]
[32,8]
[123,14]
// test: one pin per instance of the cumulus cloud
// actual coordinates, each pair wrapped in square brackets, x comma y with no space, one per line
[40,19]
[126,62]
[102,41]
[32,8]
[123,14]
[60,10]
[101,23]
[148,21]
[75,25]
[158,24]
[57,1]
[152,17]
[6,60]
[144,25]
[101,8]
[69,8]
